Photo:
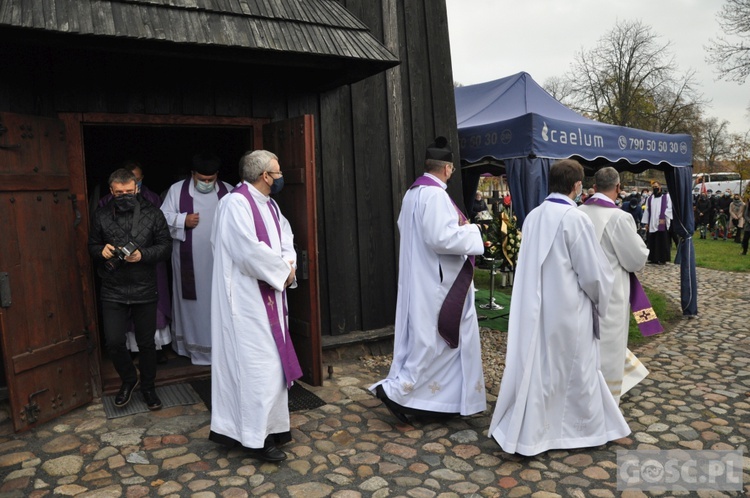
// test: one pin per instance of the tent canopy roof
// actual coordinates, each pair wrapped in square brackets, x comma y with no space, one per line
[515,117]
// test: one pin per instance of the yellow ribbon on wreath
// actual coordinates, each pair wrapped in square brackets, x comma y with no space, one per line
[511,240]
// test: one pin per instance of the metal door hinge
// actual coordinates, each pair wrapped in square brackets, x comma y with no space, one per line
[32,410]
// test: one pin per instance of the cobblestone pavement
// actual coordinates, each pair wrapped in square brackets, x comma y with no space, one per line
[696,397]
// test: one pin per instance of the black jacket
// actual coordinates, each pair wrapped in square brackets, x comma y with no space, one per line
[131,282]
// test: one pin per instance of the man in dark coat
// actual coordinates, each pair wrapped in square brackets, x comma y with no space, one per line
[128,237]
[703,213]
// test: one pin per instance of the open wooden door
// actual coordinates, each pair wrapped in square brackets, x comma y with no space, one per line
[293,141]
[45,341]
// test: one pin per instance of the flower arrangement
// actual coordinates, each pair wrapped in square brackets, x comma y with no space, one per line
[502,240]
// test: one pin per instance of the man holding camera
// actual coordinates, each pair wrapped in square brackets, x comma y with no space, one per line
[128,237]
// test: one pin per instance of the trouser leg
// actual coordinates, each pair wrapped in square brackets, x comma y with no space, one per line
[115,318]
[745,240]
[144,321]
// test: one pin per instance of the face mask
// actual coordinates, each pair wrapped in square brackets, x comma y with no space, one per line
[657,191]
[277,185]
[125,202]
[204,187]
[579,191]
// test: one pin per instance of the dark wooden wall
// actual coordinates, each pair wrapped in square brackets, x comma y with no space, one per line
[370,135]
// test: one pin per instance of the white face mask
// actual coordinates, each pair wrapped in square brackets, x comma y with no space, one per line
[204,187]
[579,192]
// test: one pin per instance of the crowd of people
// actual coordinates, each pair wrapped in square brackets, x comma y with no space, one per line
[563,379]
[233,257]
[722,215]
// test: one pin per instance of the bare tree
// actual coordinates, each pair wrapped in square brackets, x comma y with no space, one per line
[559,88]
[732,55]
[630,79]
[739,154]
[715,143]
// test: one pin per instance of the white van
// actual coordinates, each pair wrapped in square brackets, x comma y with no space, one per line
[718,181]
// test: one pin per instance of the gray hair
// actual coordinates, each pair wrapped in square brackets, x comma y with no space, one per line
[121,175]
[606,179]
[254,163]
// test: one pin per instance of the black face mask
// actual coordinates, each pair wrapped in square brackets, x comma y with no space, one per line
[657,192]
[125,202]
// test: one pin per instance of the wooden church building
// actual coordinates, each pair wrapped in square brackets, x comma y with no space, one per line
[348,93]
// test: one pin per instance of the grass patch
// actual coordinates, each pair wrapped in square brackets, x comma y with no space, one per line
[664,309]
[723,255]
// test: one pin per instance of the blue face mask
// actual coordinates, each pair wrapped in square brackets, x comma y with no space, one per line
[277,185]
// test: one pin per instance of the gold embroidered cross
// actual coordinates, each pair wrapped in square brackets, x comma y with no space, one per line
[434,387]
[478,387]
[271,304]
[580,425]
[408,387]
[644,315]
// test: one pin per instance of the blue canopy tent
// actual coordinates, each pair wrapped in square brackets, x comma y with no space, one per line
[513,125]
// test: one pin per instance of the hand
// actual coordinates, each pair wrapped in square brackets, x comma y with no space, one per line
[290,278]
[134,257]
[108,251]
[191,220]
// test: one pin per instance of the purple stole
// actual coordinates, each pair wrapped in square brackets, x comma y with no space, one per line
[640,306]
[662,227]
[449,319]
[289,361]
[187,270]
[558,201]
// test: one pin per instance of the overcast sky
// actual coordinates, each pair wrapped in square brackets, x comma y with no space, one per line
[491,39]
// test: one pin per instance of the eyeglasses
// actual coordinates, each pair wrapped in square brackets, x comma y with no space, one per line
[273,173]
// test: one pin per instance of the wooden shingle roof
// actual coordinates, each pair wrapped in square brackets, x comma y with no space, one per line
[263,30]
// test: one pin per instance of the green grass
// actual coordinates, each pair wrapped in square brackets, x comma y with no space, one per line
[720,255]
[666,311]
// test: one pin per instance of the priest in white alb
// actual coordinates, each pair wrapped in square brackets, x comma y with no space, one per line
[189,208]
[253,362]
[437,361]
[657,217]
[553,394]
[626,253]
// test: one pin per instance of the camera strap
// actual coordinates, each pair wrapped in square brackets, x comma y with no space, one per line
[136,217]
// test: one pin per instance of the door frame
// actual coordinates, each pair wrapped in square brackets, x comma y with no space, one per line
[74,123]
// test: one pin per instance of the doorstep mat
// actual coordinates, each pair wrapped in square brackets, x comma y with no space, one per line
[172,395]
[299,397]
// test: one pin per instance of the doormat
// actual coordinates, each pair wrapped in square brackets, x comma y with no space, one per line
[172,395]
[299,397]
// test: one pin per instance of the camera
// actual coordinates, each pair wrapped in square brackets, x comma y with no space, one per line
[120,253]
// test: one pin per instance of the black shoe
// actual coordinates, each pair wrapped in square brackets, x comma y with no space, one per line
[152,400]
[268,454]
[380,393]
[125,393]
